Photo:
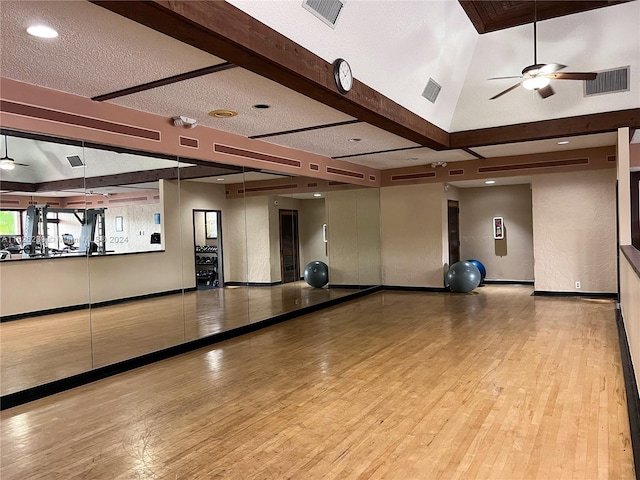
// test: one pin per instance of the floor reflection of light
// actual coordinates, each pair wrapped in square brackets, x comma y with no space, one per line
[18,426]
[214,359]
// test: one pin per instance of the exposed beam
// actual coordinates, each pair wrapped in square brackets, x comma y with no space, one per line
[17,186]
[305,129]
[227,32]
[560,127]
[165,81]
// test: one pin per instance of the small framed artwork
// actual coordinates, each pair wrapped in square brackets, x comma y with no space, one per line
[498,228]
[156,218]
[119,224]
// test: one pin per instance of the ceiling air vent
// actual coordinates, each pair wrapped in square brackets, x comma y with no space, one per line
[431,91]
[326,10]
[608,81]
[75,160]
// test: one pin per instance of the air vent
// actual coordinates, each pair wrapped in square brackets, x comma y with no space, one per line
[431,91]
[326,10]
[608,81]
[75,161]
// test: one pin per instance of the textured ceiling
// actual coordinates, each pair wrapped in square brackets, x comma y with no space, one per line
[98,52]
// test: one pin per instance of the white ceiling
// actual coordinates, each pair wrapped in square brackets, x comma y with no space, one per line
[98,52]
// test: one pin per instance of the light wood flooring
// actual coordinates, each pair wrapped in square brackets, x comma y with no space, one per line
[495,384]
[37,350]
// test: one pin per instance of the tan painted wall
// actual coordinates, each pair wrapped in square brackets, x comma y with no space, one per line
[630,307]
[342,232]
[507,259]
[574,231]
[313,214]
[234,241]
[369,246]
[412,222]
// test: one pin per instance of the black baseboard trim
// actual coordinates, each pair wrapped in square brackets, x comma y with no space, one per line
[416,289]
[508,282]
[251,284]
[82,306]
[631,387]
[544,293]
[347,286]
[34,393]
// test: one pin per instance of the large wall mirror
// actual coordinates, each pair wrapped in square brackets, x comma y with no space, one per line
[110,254]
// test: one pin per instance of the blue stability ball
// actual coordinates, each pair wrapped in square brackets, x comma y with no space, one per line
[463,277]
[316,274]
[480,266]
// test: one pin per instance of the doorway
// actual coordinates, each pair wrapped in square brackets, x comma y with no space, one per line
[289,246]
[207,248]
[453,215]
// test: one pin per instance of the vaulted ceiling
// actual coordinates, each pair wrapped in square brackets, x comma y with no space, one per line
[281,56]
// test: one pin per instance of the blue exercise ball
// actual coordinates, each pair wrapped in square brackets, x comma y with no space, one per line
[480,266]
[463,277]
[316,274]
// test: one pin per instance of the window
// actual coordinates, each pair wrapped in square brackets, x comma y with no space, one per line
[10,222]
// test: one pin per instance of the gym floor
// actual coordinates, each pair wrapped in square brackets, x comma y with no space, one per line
[492,384]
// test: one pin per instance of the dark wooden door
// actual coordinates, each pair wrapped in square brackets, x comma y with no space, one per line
[454,232]
[289,248]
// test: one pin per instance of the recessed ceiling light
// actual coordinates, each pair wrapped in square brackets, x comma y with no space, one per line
[220,179]
[317,194]
[223,113]
[261,105]
[489,182]
[42,31]
[563,142]
[355,139]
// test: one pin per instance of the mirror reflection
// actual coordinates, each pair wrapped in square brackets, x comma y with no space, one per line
[109,254]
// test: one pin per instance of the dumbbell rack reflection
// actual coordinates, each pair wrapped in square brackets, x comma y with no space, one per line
[207,265]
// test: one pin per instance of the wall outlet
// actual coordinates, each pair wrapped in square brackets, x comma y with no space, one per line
[577,284]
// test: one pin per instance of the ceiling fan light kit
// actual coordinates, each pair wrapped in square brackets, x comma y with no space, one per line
[537,77]
[7,164]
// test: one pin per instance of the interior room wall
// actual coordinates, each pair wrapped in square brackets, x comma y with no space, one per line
[507,259]
[342,233]
[234,241]
[369,245]
[138,223]
[275,203]
[259,240]
[411,224]
[574,231]
[313,215]
[199,196]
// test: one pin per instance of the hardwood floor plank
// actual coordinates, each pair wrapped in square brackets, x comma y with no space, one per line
[396,385]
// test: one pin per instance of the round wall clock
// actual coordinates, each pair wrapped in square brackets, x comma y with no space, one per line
[342,75]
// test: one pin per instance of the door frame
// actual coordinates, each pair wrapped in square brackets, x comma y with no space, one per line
[453,204]
[286,212]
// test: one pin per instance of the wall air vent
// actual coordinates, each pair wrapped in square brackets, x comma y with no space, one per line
[326,10]
[431,91]
[608,81]
[75,160]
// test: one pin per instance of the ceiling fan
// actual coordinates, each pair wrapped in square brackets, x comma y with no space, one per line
[538,76]
[6,162]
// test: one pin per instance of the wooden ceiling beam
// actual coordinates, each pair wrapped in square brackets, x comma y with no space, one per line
[227,32]
[542,130]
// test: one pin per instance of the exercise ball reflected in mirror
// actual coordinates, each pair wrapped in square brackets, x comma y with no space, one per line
[480,266]
[316,274]
[463,277]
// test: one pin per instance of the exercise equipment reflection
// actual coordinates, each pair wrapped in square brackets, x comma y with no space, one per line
[479,266]
[316,274]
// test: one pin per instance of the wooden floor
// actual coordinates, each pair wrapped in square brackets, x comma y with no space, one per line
[397,385]
[37,350]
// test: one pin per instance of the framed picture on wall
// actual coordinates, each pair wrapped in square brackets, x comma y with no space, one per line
[498,228]
[211,224]
[118,224]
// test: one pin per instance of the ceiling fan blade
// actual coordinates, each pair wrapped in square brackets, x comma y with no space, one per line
[21,164]
[574,76]
[506,91]
[551,68]
[546,91]
[504,78]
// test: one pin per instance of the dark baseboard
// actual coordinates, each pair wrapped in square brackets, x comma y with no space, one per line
[544,293]
[72,308]
[349,286]
[508,282]
[415,289]
[251,284]
[631,387]
[34,393]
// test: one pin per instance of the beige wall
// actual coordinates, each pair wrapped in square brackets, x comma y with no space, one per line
[574,231]
[313,214]
[411,223]
[234,240]
[369,248]
[342,232]
[630,307]
[507,259]
[137,227]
